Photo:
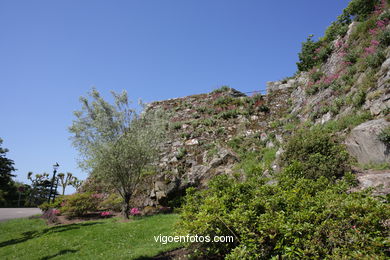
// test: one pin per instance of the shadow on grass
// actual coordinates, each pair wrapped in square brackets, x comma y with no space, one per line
[62,252]
[179,253]
[35,234]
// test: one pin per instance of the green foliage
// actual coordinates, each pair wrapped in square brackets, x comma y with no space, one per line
[224,101]
[208,122]
[251,164]
[221,90]
[317,75]
[375,166]
[384,38]
[384,136]
[181,153]
[360,9]
[359,98]
[307,57]
[233,113]
[352,56]
[375,60]
[7,185]
[79,204]
[176,125]
[57,204]
[348,121]
[338,28]
[312,154]
[40,189]
[293,219]
[114,202]
[116,143]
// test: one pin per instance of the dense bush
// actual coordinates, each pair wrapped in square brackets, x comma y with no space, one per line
[221,90]
[308,57]
[313,153]
[294,219]
[57,204]
[114,202]
[79,204]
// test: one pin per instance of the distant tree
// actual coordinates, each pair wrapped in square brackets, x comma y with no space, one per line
[8,192]
[40,189]
[117,143]
[6,167]
[65,180]
[76,183]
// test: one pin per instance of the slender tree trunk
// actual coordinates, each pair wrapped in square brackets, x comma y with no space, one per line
[126,206]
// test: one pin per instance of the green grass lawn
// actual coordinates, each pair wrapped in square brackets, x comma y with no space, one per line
[103,239]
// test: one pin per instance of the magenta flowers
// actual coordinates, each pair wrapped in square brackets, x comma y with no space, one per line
[135,212]
[105,214]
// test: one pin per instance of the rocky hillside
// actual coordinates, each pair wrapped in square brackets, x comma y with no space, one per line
[344,87]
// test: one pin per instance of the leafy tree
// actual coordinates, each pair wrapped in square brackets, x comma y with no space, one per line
[6,168]
[307,57]
[8,191]
[76,183]
[116,143]
[40,188]
[65,180]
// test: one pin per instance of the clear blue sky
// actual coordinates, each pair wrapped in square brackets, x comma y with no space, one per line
[52,52]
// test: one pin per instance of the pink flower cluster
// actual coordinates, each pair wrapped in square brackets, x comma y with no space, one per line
[380,25]
[329,79]
[135,212]
[56,212]
[105,214]
[380,7]
[372,48]
[343,46]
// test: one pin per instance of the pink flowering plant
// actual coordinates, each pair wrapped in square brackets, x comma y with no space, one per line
[56,212]
[105,214]
[135,212]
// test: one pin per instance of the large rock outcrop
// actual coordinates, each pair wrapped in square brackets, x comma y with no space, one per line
[363,143]
[379,180]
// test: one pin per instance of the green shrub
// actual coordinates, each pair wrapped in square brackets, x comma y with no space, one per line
[176,125]
[359,98]
[384,38]
[79,204]
[352,56]
[293,219]
[224,101]
[181,153]
[307,57]
[114,202]
[348,121]
[316,76]
[220,90]
[375,60]
[53,205]
[233,113]
[384,136]
[313,153]
[251,164]
[360,9]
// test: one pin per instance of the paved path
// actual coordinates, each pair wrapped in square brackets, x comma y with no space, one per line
[10,213]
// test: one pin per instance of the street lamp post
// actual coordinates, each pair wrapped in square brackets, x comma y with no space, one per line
[55,168]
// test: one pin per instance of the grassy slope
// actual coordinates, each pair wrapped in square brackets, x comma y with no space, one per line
[106,239]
